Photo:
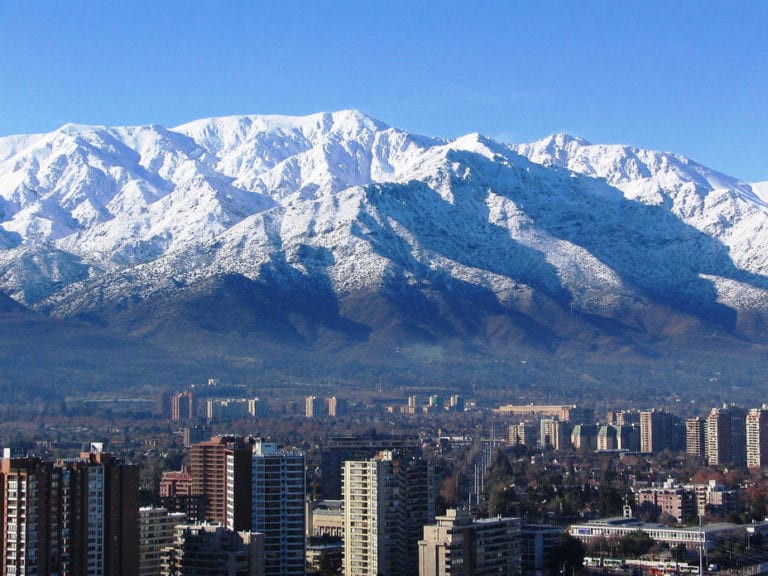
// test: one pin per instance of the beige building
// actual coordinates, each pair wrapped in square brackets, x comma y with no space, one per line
[387,501]
[156,529]
[757,437]
[671,500]
[457,545]
[521,434]
[694,436]
[314,407]
[566,412]
[325,518]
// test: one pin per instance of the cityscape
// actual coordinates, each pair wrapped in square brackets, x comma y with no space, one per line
[383,288]
[212,483]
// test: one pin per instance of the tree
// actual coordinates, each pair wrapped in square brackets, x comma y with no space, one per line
[636,544]
[569,556]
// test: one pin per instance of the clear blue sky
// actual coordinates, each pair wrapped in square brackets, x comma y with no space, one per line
[682,76]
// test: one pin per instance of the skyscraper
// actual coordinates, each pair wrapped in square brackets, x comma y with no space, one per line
[75,517]
[387,501]
[208,471]
[314,407]
[694,436]
[277,507]
[183,406]
[726,436]
[338,449]
[156,530]
[659,430]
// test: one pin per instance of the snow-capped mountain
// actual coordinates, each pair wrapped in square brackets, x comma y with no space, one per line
[337,223]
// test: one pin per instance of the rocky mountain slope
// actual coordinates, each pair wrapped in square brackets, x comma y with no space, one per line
[333,231]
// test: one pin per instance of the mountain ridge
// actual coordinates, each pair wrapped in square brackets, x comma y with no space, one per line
[335,231]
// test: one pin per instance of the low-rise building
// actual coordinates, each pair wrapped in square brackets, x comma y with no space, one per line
[692,538]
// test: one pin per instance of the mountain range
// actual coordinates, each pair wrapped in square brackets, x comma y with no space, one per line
[228,240]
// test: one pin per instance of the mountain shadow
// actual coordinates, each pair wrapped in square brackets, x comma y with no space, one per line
[647,246]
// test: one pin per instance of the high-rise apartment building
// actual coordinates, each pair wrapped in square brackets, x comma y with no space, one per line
[387,500]
[277,507]
[624,417]
[457,545]
[75,517]
[183,406]
[659,430]
[314,407]
[212,550]
[257,407]
[208,470]
[27,546]
[156,531]
[757,437]
[337,407]
[694,436]
[726,436]
[176,495]
[671,500]
[521,434]
[584,437]
[554,433]
[338,449]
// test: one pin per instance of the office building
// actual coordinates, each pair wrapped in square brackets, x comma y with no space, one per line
[572,413]
[708,536]
[457,545]
[387,501]
[277,507]
[325,519]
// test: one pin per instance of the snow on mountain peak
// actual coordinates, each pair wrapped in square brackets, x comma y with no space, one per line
[345,195]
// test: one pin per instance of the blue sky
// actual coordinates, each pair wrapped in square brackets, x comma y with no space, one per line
[683,76]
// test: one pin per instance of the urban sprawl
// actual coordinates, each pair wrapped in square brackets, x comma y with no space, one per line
[201,481]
